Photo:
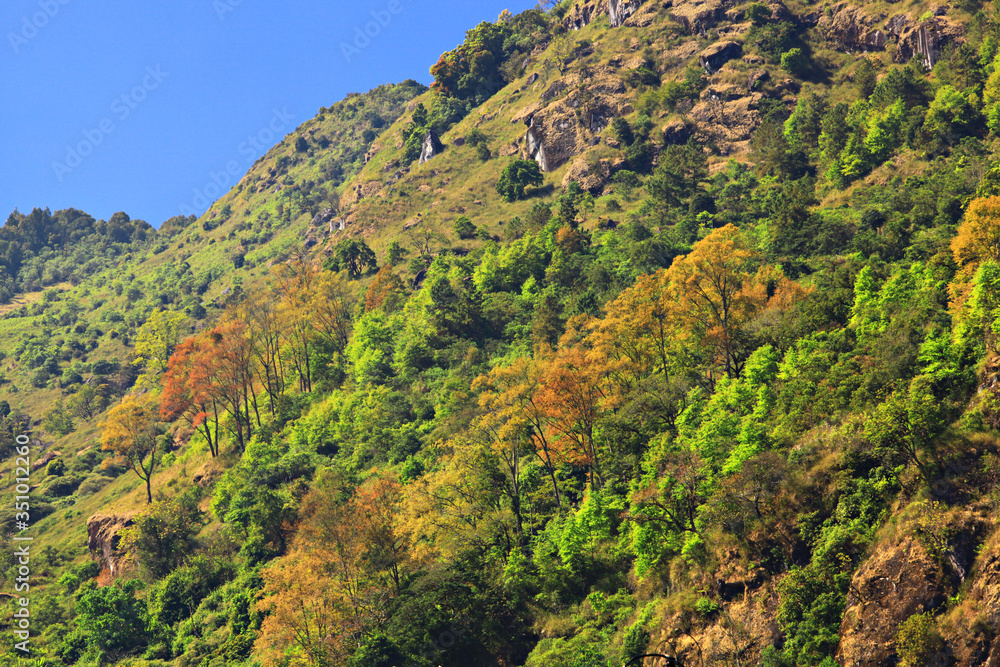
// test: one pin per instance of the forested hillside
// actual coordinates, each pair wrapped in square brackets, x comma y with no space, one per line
[650,334]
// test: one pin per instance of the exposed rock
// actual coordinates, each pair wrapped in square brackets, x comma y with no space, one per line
[901,579]
[848,28]
[44,461]
[324,218]
[532,78]
[619,10]
[360,191]
[889,587]
[925,38]
[756,78]
[728,116]
[103,538]
[714,57]
[697,16]
[373,150]
[676,132]
[581,14]
[555,90]
[568,126]
[432,146]
[592,177]
[513,148]
[204,479]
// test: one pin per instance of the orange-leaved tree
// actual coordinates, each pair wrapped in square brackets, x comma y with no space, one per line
[232,374]
[189,390]
[637,334]
[511,394]
[976,243]
[572,396]
[334,587]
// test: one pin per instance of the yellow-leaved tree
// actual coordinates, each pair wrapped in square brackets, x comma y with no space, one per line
[132,432]
[712,288]
[978,238]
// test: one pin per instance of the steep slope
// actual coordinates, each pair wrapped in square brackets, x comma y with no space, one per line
[718,385]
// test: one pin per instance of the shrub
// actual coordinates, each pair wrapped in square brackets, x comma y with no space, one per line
[917,639]
[111,618]
[515,177]
[93,484]
[163,535]
[758,13]
[464,228]
[794,61]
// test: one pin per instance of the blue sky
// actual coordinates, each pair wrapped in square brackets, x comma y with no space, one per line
[132,105]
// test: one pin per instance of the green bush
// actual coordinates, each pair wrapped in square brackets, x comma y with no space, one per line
[794,61]
[917,639]
[515,177]
[464,228]
[111,619]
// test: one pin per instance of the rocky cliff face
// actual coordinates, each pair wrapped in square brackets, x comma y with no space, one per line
[853,28]
[573,111]
[103,536]
[619,10]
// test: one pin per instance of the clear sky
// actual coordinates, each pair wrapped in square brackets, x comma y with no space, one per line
[131,105]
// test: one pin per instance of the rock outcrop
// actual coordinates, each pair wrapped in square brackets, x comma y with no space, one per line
[923,38]
[359,192]
[103,536]
[619,10]
[902,578]
[593,177]
[850,28]
[728,116]
[698,16]
[676,132]
[582,13]
[432,146]
[714,57]
[892,585]
[580,106]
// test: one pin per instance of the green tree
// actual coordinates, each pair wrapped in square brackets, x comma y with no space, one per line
[515,177]
[794,61]
[394,253]
[111,619]
[162,536]
[155,342]
[131,431]
[904,427]
[864,78]
[353,256]
[464,228]
[680,175]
